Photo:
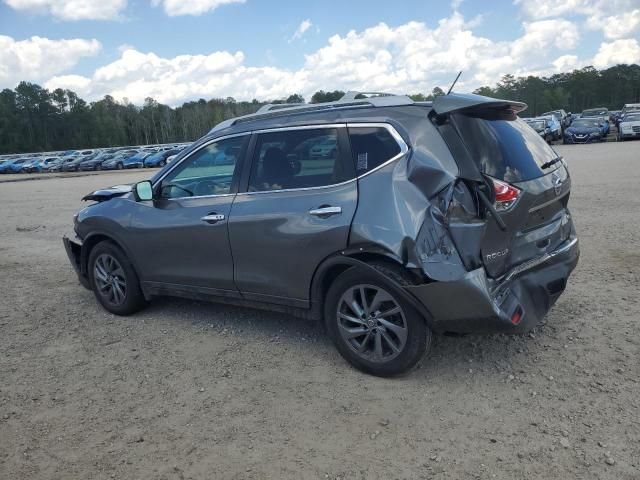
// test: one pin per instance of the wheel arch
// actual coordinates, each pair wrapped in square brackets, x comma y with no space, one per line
[92,239]
[363,257]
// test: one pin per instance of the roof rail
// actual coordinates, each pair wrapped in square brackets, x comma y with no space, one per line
[348,100]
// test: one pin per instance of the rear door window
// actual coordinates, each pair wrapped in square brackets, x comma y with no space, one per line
[299,158]
[371,147]
[505,149]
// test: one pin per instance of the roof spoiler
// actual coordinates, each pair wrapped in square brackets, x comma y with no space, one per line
[461,102]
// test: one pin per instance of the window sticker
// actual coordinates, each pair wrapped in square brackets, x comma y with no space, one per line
[362,161]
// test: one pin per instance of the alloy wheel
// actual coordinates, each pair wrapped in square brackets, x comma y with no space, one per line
[110,279]
[372,323]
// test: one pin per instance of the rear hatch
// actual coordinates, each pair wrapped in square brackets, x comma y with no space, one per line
[523,178]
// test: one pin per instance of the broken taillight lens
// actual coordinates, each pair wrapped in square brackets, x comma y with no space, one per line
[506,195]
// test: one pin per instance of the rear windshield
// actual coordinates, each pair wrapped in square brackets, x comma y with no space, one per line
[508,150]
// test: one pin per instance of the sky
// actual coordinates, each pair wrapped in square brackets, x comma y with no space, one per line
[181,50]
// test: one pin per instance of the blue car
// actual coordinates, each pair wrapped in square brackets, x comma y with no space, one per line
[584,130]
[13,166]
[159,159]
[137,160]
[554,126]
[32,165]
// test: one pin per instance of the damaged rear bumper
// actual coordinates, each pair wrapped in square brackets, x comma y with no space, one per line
[516,302]
[73,247]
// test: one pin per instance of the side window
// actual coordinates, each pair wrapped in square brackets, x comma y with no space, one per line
[298,159]
[208,171]
[371,147]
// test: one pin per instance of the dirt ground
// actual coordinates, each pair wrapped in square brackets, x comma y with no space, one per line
[188,390]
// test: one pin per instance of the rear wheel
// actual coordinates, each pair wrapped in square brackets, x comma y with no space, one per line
[374,328]
[162,163]
[113,280]
[119,166]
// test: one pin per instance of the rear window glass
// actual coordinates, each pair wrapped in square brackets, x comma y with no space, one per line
[509,150]
[371,147]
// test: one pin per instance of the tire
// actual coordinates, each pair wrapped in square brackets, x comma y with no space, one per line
[98,167]
[119,166]
[108,265]
[162,163]
[372,352]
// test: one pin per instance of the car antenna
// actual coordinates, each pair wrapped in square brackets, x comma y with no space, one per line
[454,82]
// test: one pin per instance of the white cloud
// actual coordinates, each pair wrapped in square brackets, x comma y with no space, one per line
[72,9]
[37,59]
[175,8]
[302,28]
[595,12]
[407,58]
[618,51]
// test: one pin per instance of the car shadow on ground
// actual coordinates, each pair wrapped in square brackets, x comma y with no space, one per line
[452,354]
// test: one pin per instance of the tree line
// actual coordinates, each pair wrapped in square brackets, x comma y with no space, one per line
[34,119]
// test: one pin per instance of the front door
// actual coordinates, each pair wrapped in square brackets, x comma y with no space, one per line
[181,237]
[301,197]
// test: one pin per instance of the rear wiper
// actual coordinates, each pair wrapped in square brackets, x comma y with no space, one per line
[551,162]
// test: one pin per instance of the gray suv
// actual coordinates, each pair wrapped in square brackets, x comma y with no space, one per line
[387,219]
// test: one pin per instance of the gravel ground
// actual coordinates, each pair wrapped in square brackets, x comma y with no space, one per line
[194,390]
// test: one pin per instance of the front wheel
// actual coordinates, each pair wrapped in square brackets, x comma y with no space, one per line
[113,280]
[373,327]
[162,163]
[119,166]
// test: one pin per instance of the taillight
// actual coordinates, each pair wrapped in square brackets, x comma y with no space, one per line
[506,195]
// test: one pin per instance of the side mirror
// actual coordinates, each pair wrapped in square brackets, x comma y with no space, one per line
[143,191]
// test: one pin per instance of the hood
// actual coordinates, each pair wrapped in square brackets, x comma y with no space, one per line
[583,130]
[108,193]
[633,123]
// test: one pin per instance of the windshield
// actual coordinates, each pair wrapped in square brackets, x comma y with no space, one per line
[585,124]
[598,112]
[538,125]
[506,149]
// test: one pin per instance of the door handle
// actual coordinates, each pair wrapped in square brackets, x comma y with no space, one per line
[325,211]
[213,218]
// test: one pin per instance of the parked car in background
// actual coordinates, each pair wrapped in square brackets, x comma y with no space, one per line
[136,160]
[541,125]
[159,159]
[584,130]
[117,161]
[554,126]
[629,126]
[13,166]
[95,162]
[448,216]
[562,116]
[72,164]
[48,164]
[595,112]
[32,165]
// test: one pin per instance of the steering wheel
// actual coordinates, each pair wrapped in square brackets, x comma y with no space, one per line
[175,185]
[206,187]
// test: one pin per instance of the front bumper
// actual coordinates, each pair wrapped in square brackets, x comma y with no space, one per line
[73,247]
[515,303]
[629,134]
[574,139]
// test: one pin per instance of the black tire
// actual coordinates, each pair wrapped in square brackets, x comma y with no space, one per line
[131,299]
[98,167]
[119,166]
[417,336]
[162,163]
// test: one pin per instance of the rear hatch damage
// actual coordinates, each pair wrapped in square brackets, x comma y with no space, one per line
[506,215]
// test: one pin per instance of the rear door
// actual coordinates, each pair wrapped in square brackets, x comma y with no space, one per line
[300,198]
